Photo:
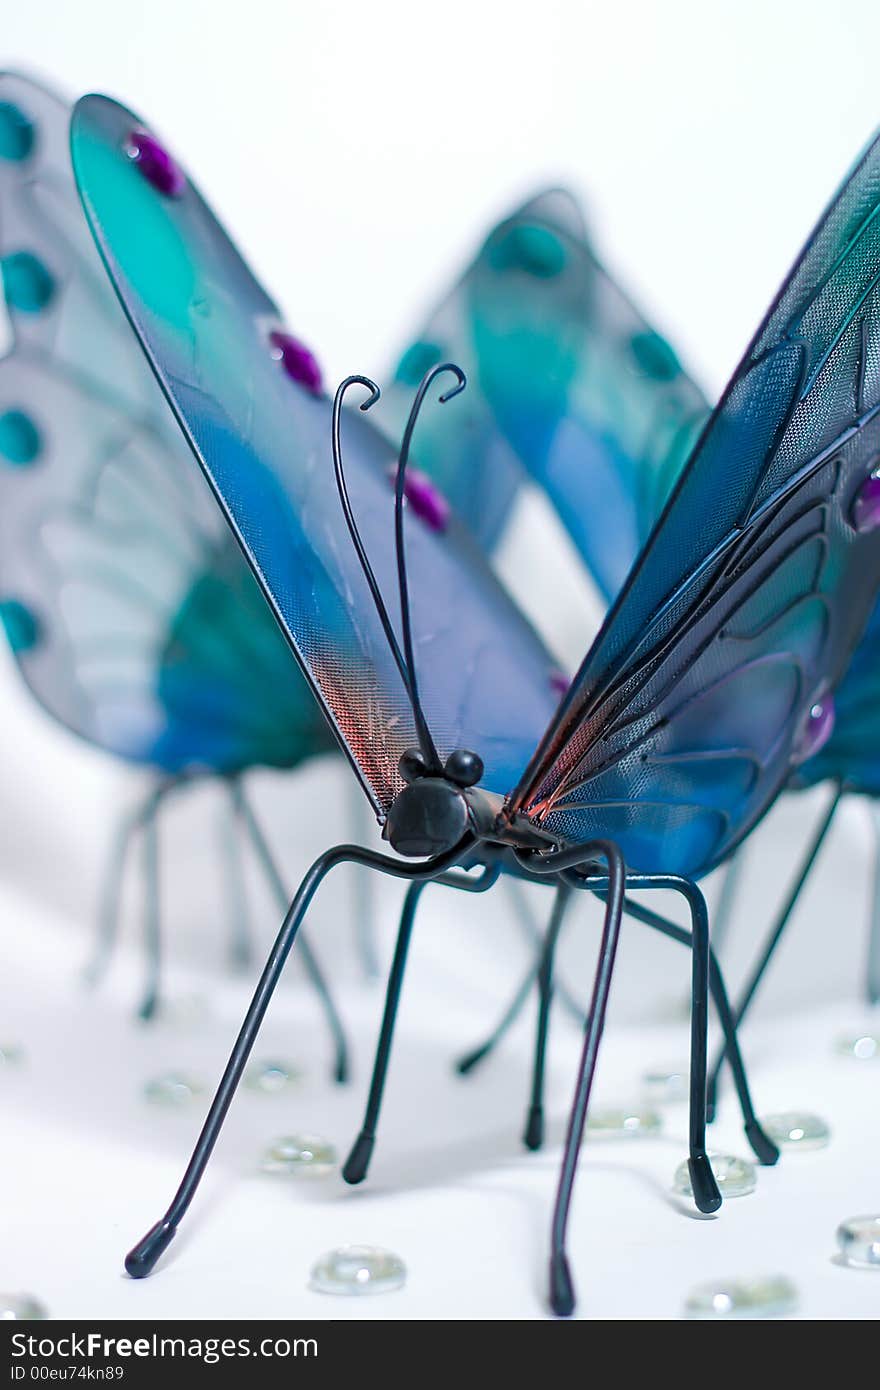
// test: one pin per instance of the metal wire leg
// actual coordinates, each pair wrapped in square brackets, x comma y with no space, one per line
[364,904]
[358,1161]
[309,959]
[241,948]
[535,936]
[723,916]
[533,1136]
[562,1296]
[743,1004]
[763,1147]
[357,1164]
[140,1260]
[471,1060]
[872,967]
[109,912]
[152,923]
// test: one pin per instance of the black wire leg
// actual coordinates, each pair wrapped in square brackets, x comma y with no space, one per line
[471,1060]
[872,965]
[357,1164]
[723,915]
[140,1260]
[152,906]
[533,1136]
[562,1295]
[364,902]
[111,892]
[241,946]
[763,1147]
[536,937]
[743,1004]
[309,959]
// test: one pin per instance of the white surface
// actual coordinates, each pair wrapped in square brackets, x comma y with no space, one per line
[88,1165]
[359,155]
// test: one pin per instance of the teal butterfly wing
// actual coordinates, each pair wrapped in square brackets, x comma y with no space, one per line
[570,388]
[262,436]
[714,674]
[128,608]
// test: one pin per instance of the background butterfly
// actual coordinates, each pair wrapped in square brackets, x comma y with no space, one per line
[128,607]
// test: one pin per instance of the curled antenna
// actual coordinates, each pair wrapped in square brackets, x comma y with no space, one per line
[425,741]
[407,673]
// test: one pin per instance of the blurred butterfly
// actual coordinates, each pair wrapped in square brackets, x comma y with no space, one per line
[693,703]
[128,607]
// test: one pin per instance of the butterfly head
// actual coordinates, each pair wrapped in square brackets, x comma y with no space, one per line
[432,812]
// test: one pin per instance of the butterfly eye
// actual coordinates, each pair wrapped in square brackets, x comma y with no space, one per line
[464,768]
[412,765]
[155,163]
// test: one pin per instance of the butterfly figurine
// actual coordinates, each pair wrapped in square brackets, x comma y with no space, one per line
[691,706]
[129,610]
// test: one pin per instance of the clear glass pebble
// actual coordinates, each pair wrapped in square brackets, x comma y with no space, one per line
[267,1078]
[21,1307]
[736,1177]
[665,1087]
[172,1089]
[797,1129]
[770,1296]
[303,1155]
[864,1047]
[11,1054]
[622,1122]
[859,1241]
[358,1269]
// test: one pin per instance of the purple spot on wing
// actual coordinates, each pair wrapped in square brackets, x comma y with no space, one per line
[559,682]
[425,499]
[155,163]
[816,729]
[865,513]
[298,362]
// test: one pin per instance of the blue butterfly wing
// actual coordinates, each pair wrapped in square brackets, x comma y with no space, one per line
[568,380]
[129,609]
[746,604]
[263,441]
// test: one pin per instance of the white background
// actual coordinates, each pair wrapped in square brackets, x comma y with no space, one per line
[358,154]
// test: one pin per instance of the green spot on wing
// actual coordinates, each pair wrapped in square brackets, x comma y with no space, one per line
[21,626]
[536,250]
[654,356]
[27,284]
[418,359]
[17,134]
[19,438]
